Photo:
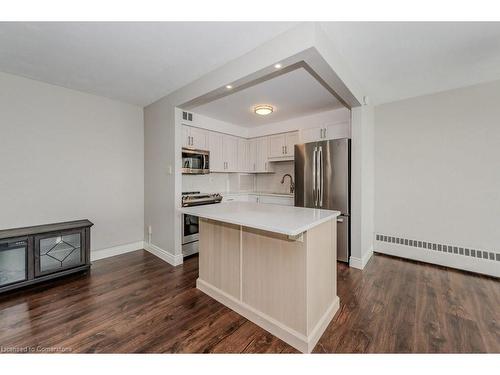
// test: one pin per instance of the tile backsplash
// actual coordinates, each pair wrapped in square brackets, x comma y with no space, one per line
[206,183]
[224,182]
[271,182]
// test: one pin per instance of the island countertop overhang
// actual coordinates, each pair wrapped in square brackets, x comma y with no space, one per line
[288,220]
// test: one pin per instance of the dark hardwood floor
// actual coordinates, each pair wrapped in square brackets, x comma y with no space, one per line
[137,303]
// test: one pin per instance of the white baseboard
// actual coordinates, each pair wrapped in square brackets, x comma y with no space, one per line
[360,263]
[116,250]
[165,255]
[299,341]
[466,263]
[323,323]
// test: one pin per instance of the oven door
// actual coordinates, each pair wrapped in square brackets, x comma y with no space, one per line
[189,229]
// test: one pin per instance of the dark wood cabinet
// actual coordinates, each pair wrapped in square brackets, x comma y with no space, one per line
[34,254]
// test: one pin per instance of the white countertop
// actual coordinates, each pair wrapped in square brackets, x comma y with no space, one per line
[287,220]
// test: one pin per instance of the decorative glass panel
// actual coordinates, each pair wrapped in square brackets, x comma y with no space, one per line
[60,252]
[12,262]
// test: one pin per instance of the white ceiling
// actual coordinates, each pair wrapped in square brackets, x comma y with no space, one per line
[133,62]
[141,62]
[292,94]
[393,61]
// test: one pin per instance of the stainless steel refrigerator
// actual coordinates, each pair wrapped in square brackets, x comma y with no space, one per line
[322,180]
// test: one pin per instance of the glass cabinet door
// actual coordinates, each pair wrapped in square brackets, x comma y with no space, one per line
[57,252]
[13,261]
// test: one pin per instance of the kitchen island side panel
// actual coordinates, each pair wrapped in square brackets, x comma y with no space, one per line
[274,277]
[321,272]
[219,255]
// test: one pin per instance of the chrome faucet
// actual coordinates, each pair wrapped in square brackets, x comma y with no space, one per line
[292,185]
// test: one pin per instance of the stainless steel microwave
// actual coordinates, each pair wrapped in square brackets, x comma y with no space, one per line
[195,161]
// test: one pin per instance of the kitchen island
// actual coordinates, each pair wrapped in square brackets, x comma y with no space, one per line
[275,265]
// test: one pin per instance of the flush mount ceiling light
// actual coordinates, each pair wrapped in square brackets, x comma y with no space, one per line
[263,109]
[277,66]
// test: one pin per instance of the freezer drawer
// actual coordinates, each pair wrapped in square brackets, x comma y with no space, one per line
[343,240]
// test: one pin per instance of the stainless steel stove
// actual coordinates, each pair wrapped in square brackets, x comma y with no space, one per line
[195,198]
[190,232]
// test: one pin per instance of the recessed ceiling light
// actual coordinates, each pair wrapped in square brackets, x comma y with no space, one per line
[229,87]
[277,66]
[263,109]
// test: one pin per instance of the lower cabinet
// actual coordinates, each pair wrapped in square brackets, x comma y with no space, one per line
[259,198]
[271,199]
[59,251]
[34,254]
[14,261]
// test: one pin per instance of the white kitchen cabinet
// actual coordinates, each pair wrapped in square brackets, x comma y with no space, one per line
[311,135]
[291,140]
[235,198]
[243,155]
[281,146]
[230,153]
[223,152]
[270,199]
[186,138]
[262,163]
[333,131]
[277,145]
[253,198]
[259,198]
[258,155]
[216,161]
[336,131]
[195,138]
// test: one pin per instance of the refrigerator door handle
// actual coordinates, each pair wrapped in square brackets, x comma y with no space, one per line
[314,176]
[321,179]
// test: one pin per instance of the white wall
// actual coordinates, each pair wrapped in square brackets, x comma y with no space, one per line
[362,186]
[66,155]
[437,175]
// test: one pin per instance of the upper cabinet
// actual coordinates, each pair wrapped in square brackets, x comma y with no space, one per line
[235,154]
[195,138]
[216,158]
[243,155]
[281,146]
[223,152]
[334,131]
[258,155]
[230,153]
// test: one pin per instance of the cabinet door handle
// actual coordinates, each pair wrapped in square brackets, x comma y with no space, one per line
[286,150]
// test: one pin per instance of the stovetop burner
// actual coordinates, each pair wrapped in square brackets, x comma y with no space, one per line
[196,198]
